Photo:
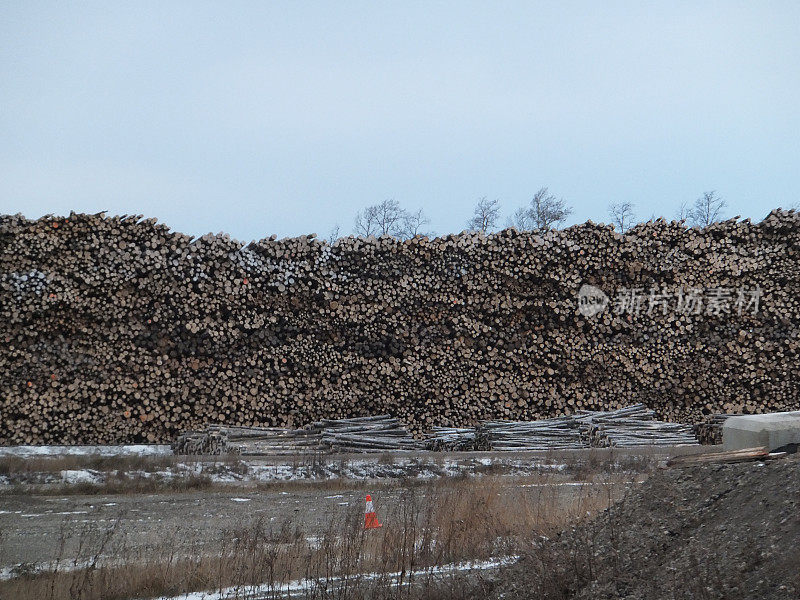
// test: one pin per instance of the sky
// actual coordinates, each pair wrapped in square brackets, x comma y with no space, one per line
[260,118]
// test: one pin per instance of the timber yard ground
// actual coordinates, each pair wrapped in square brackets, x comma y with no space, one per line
[136,522]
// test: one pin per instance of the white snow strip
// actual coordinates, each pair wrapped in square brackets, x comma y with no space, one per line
[79,476]
[241,499]
[565,483]
[304,585]
[123,450]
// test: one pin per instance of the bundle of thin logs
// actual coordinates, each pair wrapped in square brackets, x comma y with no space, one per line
[119,330]
[628,427]
[451,438]
[363,434]
[709,431]
[632,426]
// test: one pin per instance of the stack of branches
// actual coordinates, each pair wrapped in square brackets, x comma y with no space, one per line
[249,441]
[361,434]
[562,433]
[632,426]
[440,439]
[201,442]
[365,434]
[627,427]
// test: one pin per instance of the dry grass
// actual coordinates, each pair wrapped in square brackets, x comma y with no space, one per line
[117,474]
[433,524]
[162,474]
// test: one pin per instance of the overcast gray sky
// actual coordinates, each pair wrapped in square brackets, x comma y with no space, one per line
[287,117]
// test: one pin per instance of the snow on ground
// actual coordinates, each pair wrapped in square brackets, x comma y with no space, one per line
[124,450]
[80,476]
[303,586]
[235,470]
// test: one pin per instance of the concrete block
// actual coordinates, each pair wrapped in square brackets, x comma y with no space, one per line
[772,430]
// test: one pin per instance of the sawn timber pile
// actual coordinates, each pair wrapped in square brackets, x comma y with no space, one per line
[117,329]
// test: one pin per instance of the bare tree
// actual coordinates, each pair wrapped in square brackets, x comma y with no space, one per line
[366,222]
[707,209]
[413,224]
[334,234]
[547,210]
[521,219]
[544,212]
[684,212]
[386,218]
[485,215]
[622,215]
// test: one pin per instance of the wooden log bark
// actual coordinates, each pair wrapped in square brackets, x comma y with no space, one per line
[116,329]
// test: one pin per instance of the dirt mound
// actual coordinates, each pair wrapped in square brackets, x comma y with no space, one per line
[718,531]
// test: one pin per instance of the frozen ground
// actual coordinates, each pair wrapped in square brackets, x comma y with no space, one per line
[55,498]
[300,588]
[34,527]
[105,451]
[254,471]
[104,465]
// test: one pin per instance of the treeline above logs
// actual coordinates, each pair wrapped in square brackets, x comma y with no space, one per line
[119,330]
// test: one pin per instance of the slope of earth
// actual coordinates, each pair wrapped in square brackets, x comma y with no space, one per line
[712,532]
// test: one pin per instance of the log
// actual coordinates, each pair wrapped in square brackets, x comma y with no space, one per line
[115,329]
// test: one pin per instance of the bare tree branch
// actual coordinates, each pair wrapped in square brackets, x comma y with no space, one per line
[548,210]
[386,218]
[413,224]
[707,209]
[684,212]
[622,215]
[365,223]
[545,212]
[521,219]
[334,234]
[485,215]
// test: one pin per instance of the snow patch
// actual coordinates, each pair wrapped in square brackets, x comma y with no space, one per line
[105,451]
[304,585]
[79,476]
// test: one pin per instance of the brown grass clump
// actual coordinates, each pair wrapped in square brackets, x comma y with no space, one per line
[432,525]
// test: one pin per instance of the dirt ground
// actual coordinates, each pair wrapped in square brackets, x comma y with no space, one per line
[713,532]
[38,525]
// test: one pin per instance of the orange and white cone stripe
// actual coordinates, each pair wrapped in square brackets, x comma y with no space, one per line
[370,518]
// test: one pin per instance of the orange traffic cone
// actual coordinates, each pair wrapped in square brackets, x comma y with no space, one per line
[370,518]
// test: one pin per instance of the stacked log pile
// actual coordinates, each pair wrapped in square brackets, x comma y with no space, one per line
[632,426]
[562,433]
[119,330]
[441,439]
[709,430]
[366,434]
[627,427]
